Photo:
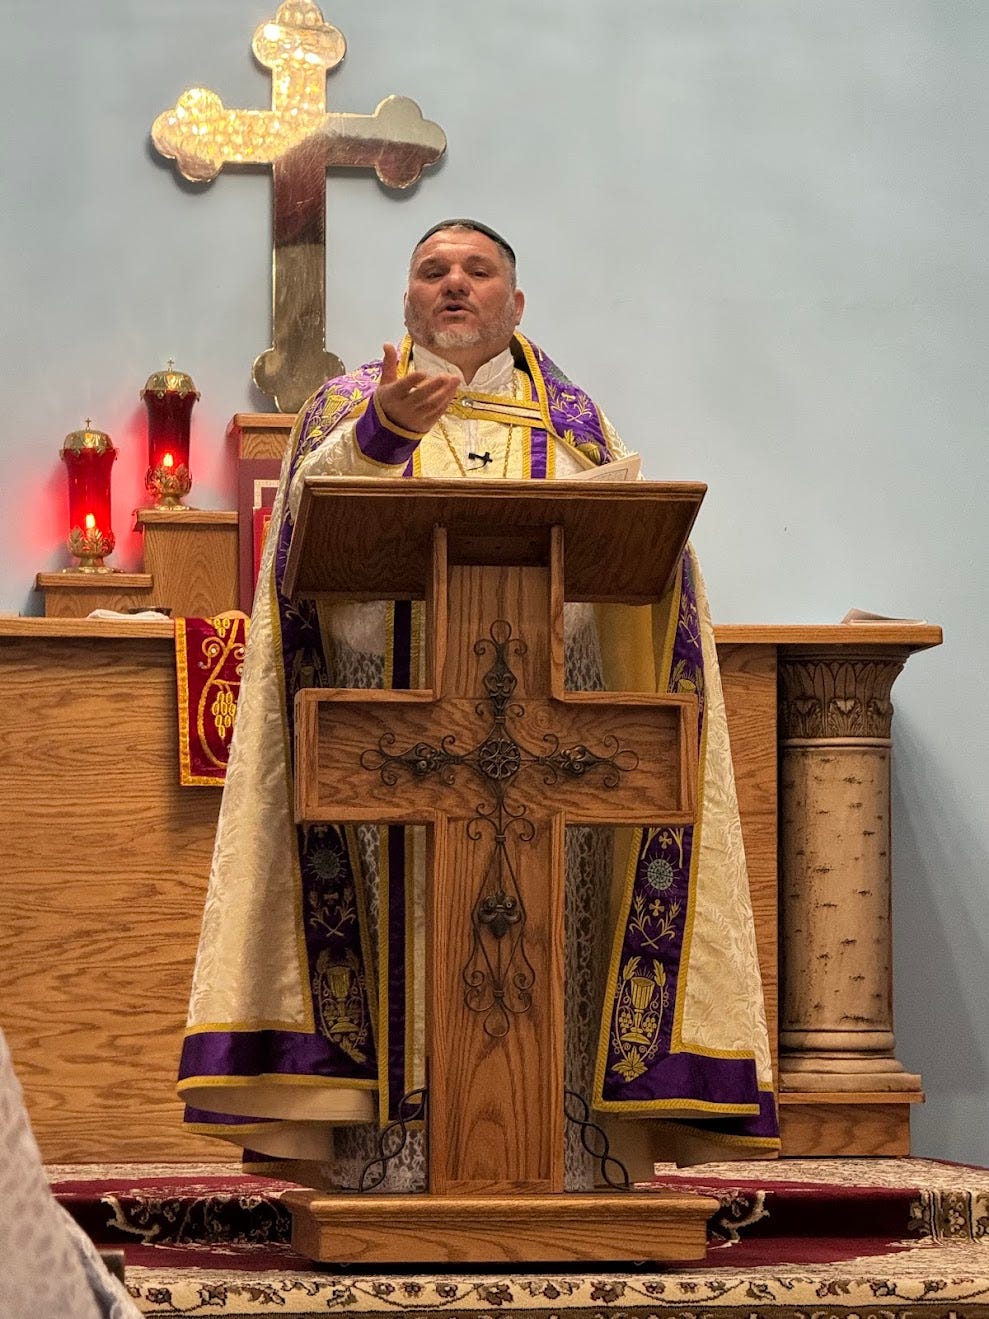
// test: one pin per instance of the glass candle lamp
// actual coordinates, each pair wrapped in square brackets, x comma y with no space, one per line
[169,397]
[88,456]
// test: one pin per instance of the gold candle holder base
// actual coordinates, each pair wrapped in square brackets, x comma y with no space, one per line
[90,547]
[168,485]
[172,505]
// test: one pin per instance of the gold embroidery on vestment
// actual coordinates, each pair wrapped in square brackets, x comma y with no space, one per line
[642,999]
[466,412]
[339,990]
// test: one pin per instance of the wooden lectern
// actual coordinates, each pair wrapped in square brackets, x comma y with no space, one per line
[496,758]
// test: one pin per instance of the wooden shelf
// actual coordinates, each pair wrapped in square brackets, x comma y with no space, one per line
[841,1097]
[187,517]
[104,629]
[75,594]
[260,434]
[892,632]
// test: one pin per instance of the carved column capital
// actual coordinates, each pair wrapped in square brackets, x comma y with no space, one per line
[824,696]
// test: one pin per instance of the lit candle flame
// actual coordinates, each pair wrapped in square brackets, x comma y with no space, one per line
[90,522]
[168,461]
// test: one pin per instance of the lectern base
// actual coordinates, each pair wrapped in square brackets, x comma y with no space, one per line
[429,1229]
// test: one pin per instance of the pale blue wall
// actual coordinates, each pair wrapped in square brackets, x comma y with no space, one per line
[754,228]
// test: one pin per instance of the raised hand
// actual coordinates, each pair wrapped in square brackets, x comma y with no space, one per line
[416,401]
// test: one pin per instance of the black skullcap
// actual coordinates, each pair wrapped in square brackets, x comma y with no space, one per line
[477,226]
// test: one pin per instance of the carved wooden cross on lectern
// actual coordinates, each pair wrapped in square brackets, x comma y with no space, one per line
[300,139]
[496,758]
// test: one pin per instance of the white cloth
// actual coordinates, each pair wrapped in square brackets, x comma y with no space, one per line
[49,1269]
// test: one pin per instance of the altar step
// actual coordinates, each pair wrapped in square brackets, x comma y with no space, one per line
[912,1234]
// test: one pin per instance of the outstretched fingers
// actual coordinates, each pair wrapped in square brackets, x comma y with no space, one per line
[416,401]
[389,364]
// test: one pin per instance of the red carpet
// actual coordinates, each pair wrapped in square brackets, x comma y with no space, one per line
[195,1237]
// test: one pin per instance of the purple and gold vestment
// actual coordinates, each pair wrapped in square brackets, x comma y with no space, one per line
[324,1033]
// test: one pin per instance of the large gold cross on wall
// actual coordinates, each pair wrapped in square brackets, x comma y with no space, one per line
[300,139]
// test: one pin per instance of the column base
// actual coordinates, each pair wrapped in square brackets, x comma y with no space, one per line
[857,1075]
[846,1124]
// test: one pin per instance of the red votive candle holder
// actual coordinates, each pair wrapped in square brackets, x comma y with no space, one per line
[88,456]
[169,397]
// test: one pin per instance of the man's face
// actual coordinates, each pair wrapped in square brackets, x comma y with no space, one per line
[461,300]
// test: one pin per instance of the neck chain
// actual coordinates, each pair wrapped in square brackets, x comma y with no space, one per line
[442,427]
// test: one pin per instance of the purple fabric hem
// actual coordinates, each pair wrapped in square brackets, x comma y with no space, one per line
[761,1126]
[692,1078]
[765,1126]
[255,1053]
[204,1117]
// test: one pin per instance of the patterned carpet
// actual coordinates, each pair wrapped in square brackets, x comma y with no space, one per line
[889,1238]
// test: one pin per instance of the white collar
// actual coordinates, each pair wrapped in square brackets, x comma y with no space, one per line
[492,377]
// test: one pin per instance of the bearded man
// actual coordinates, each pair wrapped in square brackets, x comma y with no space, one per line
[464,396]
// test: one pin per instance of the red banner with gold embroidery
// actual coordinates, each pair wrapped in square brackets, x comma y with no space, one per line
[209,658]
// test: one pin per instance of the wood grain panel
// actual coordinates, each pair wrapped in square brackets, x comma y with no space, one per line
[748,676]
[397,1229]
[375,537]
[74,595]
[496,1102]
[852,1129]
[102,881]
[338,785]
[479,598]
[260,434]
[193,558]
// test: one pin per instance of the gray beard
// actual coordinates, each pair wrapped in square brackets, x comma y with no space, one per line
[456,339]
[496,334]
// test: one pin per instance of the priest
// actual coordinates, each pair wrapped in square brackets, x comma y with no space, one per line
[305,1022]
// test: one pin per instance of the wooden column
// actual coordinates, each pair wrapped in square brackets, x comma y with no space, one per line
[841,1089]
[836,1003]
